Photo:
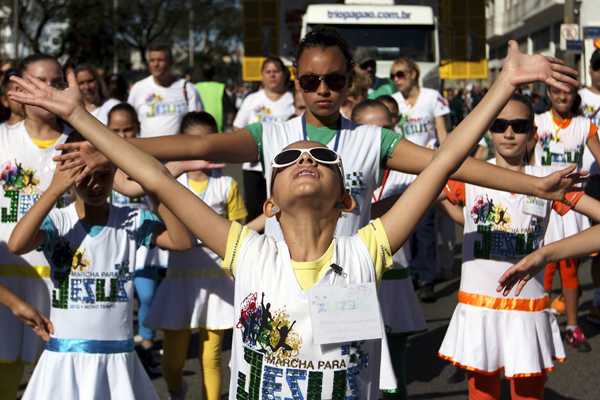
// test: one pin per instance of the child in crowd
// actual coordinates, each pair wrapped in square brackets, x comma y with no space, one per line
[151,262]
[562,137]
[274,337]
[91,246]
[357,92]
[196,293]
[26,150]
[490,336]
[401,311]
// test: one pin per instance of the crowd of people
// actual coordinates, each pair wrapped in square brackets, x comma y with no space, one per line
[352,186]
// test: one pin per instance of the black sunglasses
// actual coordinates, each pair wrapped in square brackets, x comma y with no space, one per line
[520,125]
[398,75]
[368,64]
[311,82]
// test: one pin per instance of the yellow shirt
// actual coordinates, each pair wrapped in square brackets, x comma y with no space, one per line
[308,273]
[44,143]
[236,209]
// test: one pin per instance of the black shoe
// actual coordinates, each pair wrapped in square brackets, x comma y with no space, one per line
[427,294]
[149,360]
[459,375]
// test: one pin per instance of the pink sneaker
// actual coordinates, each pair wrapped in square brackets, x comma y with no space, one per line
[576,339]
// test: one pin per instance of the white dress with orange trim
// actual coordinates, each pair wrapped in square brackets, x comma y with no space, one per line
[562,143]
[196,292]
[400,308]
[488,332]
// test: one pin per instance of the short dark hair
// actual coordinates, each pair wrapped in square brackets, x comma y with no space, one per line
[526,101]
[25,62]
[194,118]
[124,107]
[325,37]
[369,103]
[159,46]
[386,99]
[6,80]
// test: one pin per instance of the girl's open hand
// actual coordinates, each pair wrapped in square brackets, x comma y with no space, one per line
[41,325]
[557,184]
[520,69]
[35,92]
[178,168]
[76,155]
[519,274]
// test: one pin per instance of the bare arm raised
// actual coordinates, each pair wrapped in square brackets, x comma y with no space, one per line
[518,69]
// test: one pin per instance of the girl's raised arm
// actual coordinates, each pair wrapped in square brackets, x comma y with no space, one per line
[200,219]
[518,69]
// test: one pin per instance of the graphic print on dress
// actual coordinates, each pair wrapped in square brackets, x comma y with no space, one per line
[498,238]
[266,331]
[76,286]
[20,186]
[271,349]
[565,156]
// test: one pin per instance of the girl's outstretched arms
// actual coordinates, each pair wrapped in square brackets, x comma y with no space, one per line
[200,219]
[41,325]
[518,69]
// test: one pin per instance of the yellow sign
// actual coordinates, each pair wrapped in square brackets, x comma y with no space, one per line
[251,67]
[454,70]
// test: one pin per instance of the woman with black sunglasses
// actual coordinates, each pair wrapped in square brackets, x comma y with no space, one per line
[422,120]
[562,138]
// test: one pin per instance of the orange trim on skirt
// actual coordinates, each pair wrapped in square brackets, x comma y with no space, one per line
[503,303]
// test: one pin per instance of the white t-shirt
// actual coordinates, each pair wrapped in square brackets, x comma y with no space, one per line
[101,113]
[417,122]
[590,103]
[257,107]
[92,271]
[160,109]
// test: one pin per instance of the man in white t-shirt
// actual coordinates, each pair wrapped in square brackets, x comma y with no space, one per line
[162,99]
[590,107]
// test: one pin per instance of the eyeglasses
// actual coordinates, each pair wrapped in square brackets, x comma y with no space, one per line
[368,64]
[321,155]
[518,125]
[398,75]
[311,82]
